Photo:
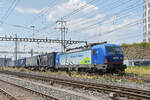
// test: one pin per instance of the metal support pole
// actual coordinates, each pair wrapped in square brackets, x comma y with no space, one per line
[33,31]
[16,50]
[63,32]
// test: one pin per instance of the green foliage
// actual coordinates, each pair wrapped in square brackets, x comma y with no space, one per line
[142,44]
[23,70]
[16,69]
[124,45]
[95,77]
[138,70]
[111,79]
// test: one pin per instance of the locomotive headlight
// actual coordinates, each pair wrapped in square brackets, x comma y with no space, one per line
[105,61]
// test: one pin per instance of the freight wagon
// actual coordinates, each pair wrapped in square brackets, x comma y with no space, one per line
[31,62]
[21,62]
[40,62]
[46,61]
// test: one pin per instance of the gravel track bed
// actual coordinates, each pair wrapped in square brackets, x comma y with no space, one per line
[101,96]
[19,93]
[61,94]
[105,96]
[3,97]
[142,86]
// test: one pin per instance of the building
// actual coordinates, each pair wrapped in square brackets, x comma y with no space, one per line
[146,20]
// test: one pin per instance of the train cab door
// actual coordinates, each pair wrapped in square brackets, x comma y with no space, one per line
[95,56]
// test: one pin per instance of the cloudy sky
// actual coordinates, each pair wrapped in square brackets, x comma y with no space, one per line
[115,21]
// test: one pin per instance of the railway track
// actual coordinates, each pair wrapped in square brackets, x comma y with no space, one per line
[7,94]
[132,78]
[118,90]
[35,93]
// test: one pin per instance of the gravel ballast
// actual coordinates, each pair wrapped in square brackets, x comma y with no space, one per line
[100,80]
[58,93]
[102,96]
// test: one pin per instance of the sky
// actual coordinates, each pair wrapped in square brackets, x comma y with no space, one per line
[115,21]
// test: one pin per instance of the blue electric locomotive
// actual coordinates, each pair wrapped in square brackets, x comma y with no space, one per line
[99,58]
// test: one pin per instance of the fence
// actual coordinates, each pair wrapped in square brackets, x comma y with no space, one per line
[137,62]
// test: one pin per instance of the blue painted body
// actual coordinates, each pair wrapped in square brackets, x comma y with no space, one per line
[99,54]
[57,59]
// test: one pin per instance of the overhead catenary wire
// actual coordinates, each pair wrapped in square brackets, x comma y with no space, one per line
[19,26]
[112,8]
[43,12]
[79,9]
[70,14]
[131,24]
[9,11]
[102,21]
[85,29]
[127,37]
[91,25]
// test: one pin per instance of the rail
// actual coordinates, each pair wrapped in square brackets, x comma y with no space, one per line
[120,91]
[26,89]
[11,97]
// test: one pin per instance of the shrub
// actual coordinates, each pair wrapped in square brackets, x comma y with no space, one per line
[140,70]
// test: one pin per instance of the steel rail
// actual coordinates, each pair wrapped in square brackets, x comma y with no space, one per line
[30,90]
[121,91]
[11,97]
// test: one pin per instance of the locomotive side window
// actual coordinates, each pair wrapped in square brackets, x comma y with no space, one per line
[94,52]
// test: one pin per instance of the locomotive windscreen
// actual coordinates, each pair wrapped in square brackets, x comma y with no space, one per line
[111,50]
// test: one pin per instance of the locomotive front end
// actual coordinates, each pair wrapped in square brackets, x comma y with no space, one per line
[114,58]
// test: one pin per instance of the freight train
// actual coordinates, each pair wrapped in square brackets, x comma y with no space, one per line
[94,58]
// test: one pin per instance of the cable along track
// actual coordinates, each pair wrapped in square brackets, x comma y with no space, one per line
[120,91]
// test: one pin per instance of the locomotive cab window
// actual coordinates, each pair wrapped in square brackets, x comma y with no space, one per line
[113,50]
[94,52]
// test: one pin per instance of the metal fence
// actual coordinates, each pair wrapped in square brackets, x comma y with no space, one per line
[137,62]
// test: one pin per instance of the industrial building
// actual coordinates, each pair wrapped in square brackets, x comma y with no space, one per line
[146,20]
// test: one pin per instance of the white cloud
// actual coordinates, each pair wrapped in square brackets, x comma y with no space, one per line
[107,27]
[84,22]
[112,27]
[28,10]
[68,7]
[119,33]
